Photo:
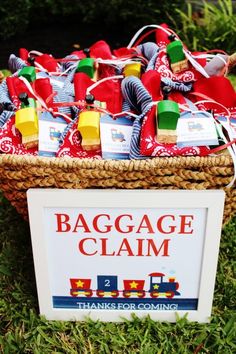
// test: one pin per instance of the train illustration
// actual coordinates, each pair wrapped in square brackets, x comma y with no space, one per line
[107,286]
[54,134]
[117,135]
[192,126]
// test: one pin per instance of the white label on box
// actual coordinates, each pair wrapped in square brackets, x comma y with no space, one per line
[196,131]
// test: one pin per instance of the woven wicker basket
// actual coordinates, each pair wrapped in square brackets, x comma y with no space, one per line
[19,173]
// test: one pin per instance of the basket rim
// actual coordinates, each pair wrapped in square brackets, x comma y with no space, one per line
[7,160]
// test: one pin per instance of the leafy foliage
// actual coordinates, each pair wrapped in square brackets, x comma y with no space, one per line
[201,25]
[212,25]
[17,16]
[14,17]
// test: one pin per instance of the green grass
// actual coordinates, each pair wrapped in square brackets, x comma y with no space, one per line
[232,78]
[23,331]
[6,72]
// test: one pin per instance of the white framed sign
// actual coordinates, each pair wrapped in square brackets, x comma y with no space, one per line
[105,254]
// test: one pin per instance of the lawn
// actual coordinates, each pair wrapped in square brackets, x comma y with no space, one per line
[23,331]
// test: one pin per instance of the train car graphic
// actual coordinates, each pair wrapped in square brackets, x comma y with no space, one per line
[134,288]
[107,286]
[81,287]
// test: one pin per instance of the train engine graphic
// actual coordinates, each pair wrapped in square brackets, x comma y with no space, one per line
[117,135]
[192,126]
[54,134]
[107,286]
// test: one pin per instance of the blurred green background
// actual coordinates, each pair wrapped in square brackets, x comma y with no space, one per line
[55,25]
